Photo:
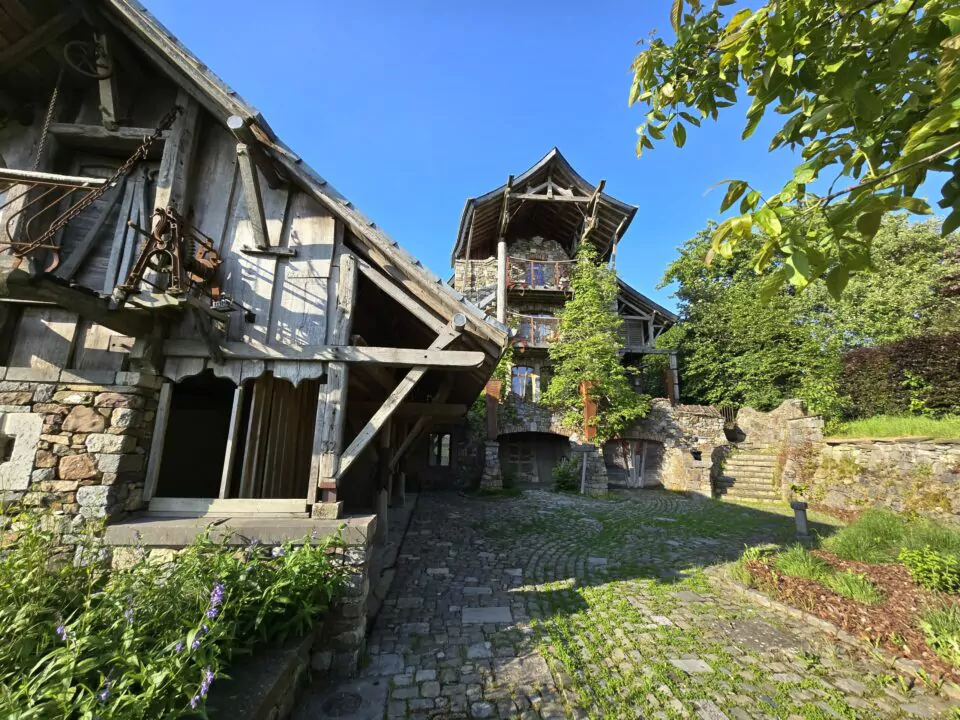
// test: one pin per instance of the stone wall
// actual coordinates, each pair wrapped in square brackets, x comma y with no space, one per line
[690,436]
[595,480]
[76,441]
[901,474]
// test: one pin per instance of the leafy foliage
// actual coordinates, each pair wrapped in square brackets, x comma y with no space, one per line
[587,349]
[870,95]
[855,586]
[798,562]
[82,641]
[738,348]
[899,426]
[565,476]
[933,570]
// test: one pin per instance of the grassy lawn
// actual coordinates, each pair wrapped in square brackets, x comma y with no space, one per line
[899,426]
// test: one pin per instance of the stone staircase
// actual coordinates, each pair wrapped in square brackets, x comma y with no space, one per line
[748,474]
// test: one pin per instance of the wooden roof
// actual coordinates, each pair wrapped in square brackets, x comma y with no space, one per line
[638,299]
[32,50]
[549,199]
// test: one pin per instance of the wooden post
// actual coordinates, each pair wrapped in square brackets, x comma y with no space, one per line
[502,280]
[230,457]
[492,398]
[675,378]
[332,403]
[643,463]
[107,69]
[173,177]
[156,441]
[589,411]
[383,483]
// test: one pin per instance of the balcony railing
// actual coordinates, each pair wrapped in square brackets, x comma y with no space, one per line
[527,274]
[534,330]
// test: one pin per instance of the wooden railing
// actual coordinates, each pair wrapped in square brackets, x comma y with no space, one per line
[535,331]
[527,274]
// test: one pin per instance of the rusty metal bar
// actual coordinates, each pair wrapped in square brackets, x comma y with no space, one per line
[41,178]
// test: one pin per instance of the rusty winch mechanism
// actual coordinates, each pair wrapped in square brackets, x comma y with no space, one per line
[176,259]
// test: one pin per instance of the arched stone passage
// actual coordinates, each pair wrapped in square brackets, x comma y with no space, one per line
[634,463]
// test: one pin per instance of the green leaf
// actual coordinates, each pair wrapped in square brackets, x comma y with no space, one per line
[768,220]
[679,134]
[951,223]
[749,202]
[695,121]
[676,14]
[804,174]
[772,285]
[737,20]
[735,189]
[869,223]
[837,280]
[634,93]
[915,205]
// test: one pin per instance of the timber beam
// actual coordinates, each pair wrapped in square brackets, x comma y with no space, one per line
[394,400]
[15,53]
[421,409]
[245,136]
[18,284]
[252,198]
[432,357]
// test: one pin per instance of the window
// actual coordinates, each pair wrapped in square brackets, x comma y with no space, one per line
[439,450]
[522,381]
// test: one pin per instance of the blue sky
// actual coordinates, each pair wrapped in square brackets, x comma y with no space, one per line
[409,108]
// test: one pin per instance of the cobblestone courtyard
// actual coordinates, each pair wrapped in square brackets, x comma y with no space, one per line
[550,606]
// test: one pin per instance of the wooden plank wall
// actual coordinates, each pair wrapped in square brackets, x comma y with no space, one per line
[287,295]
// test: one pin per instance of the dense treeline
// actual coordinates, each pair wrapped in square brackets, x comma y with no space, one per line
[738,347]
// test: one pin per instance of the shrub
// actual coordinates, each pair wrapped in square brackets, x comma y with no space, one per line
[566,476]
[796,561]
[855,586]
[933,570]
[911,375]
[80,640]
[942,629]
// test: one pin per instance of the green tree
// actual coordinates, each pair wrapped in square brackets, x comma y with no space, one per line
[870,95]
[588,349]
[737,349]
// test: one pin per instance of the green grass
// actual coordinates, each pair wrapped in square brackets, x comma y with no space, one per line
[799,563]
[942,629]
[855,586]
[878,536]
[900,426]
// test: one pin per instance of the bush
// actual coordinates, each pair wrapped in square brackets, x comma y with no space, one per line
[942,629]
[918,375]
[855,586]
[797,562]
[933,570]
[566,476]
[898,426]
[82,641]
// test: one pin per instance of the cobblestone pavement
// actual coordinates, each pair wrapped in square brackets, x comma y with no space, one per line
[551,606]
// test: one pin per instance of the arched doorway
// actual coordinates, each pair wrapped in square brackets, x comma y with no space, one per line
[528,458]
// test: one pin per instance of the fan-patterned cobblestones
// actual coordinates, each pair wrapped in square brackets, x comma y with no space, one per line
[549,606]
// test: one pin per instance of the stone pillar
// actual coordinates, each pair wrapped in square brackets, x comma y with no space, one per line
[700,481]
[344,634]
[491,478]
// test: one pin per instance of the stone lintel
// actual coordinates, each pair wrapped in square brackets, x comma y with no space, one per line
[180,532]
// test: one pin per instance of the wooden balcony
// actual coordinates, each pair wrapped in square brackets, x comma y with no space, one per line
[535,331]
[524,274]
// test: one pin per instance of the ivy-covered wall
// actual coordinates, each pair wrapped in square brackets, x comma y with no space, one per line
[903,475]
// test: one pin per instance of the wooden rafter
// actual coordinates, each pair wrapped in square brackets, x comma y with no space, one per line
[422,424]
[244,134]
[393,401]
[15,53]
[252,197]
[391,289]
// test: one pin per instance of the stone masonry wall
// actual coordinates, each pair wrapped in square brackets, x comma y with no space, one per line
[905,475]
[691,436]
[79,441]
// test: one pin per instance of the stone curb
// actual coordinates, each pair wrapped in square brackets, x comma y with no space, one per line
[908,667]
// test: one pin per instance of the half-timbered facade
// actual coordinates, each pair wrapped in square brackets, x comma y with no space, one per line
[513,256]
[192,321]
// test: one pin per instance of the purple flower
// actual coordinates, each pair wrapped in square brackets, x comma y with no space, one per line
[62,632]
[216,600]
[278,551]
[205,684]
[178,647]
[195,644]
[128,614]
[204,629]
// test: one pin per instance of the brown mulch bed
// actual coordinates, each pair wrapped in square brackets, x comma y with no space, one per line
[893,624]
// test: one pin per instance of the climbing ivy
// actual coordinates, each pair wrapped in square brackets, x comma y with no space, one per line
[588,349]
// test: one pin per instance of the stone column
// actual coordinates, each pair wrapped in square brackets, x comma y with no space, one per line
[491,478]
[502,280]
[595,479]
